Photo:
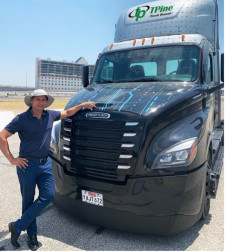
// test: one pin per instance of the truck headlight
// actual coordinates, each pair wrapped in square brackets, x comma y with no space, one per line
[180,154]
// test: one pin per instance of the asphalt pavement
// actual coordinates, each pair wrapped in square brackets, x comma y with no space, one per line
[60,231]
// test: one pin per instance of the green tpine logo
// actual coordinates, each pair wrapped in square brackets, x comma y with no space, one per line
[141,11]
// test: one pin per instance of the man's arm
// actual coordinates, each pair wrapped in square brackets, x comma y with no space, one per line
[4,146]
[75,109]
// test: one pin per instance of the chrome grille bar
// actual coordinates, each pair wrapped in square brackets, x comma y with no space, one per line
[127,145]
[68,120]
[67,158]
[66,148]
[123,167]
[66,139]
[126,156]
[67,129]
[129,134]
[131,123]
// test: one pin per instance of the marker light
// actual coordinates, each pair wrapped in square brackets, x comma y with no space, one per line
[180,154]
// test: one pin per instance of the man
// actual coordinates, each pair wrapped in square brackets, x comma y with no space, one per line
[33,164]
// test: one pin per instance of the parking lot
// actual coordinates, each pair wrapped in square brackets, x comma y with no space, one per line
[59,231]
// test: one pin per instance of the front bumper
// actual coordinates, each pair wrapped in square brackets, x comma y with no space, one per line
[163,205]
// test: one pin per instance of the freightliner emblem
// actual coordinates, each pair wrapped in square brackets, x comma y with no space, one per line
[98,115]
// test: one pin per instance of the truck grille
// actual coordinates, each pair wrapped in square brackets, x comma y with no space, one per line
[101,148]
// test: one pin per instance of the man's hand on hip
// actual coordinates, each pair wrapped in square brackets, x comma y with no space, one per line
[20,162]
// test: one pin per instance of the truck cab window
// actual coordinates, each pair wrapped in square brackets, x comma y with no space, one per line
[210,70]
[176,63]
[107,71]
[149,68]
[171,66]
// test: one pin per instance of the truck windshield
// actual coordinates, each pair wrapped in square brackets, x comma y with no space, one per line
[174,63]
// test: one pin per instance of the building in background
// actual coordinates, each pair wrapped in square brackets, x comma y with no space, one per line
[60,75]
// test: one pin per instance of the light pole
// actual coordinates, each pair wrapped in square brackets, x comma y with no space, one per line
[26,79]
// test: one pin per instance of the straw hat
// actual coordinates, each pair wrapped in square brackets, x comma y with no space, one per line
[38,92]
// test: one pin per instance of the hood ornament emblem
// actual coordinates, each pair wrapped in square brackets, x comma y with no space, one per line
[98,115]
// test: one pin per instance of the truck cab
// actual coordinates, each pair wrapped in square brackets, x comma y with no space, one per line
[146,159]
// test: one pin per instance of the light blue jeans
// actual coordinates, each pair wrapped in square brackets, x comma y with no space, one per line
[39,174]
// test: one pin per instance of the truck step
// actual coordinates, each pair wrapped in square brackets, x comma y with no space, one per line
[217,141]
[217,167]
[216,145]
[216,171]
[218,134]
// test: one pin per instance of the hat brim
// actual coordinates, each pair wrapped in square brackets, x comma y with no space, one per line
[27,100]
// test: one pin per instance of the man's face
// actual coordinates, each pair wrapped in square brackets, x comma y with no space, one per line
[39,102]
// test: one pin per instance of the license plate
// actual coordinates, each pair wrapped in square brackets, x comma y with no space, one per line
[92,197]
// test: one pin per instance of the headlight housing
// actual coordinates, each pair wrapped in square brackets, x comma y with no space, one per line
[55,137]
[180,154]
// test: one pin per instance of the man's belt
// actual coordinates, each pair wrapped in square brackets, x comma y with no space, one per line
[40,160]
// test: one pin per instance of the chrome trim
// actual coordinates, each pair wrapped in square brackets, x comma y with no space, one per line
[67,158]
[66,148]
[129,134]
[66,139]
[131,123]
[125,156]
[123,167]
[127,145]
[197,96]
[68,120]
[67,129]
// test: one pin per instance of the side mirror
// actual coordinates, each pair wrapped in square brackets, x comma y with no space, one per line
[222,67]
[85,76]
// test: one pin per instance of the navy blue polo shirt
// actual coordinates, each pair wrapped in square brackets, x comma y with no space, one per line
[34,133]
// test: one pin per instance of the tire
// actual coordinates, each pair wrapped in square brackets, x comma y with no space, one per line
[206,196]
[206,208]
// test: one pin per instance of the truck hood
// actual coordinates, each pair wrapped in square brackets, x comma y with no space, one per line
[139,98]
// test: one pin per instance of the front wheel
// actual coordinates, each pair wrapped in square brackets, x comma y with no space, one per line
[206,196]
[206,208]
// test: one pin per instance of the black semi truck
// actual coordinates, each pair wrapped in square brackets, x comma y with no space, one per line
[145,160]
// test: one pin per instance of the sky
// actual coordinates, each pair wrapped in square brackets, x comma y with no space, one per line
[60,30]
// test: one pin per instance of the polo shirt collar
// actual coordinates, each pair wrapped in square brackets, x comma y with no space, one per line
[30,114]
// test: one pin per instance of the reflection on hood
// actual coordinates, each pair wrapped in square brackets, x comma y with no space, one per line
[140,98]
